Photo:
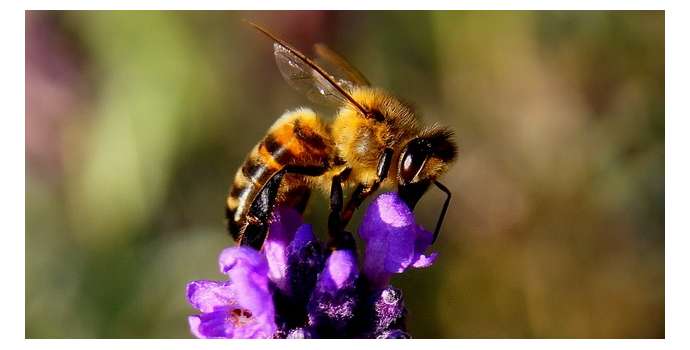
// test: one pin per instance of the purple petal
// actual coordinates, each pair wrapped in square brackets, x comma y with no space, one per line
[424,260]
[211,325]
[206,295]
[334,299]
[340,270]
[305,262]
[284,223]
[230,322]
[247,270]
[194,325]
[240,308]
[421,243]
[242,258]
[394,241]
[304,236]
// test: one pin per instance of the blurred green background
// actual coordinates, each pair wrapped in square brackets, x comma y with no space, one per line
[137,121]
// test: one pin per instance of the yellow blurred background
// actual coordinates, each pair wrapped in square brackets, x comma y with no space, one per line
[137,121]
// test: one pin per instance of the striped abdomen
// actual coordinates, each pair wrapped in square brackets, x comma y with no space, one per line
[297,138]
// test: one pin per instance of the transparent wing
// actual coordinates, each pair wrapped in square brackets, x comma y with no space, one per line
[305,78]
[340,69]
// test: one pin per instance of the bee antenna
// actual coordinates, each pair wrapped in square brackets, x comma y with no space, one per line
[443,211]
[311,64]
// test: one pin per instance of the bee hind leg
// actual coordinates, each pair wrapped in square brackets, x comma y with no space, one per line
[256,229]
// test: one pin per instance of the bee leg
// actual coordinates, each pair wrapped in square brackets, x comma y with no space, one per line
[410,194]
[362,192]
[256,229]
[339,239]
[262,206]
[443,211]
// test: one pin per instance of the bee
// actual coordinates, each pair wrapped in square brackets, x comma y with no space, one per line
[373,141]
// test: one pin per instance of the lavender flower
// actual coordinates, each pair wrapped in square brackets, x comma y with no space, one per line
[240,308]
[394,241]
[296,288]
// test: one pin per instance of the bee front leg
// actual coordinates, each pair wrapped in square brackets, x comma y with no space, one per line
[362,192]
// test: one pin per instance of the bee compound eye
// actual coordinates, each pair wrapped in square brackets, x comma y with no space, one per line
[414,155]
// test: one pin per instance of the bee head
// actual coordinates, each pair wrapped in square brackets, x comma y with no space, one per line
[426,157]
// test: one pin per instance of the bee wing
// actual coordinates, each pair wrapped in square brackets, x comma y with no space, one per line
[343,71]
[303,75]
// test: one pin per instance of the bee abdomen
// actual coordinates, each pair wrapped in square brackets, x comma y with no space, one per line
[297,138]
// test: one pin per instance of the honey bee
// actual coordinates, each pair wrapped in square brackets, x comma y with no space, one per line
[373,141]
